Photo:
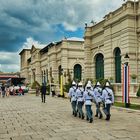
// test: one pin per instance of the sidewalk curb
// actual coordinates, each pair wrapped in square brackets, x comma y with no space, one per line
[126,109]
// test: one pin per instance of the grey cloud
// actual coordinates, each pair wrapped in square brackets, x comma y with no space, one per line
[20,19]
[9,58]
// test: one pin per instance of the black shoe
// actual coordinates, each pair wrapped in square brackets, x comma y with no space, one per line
[108,117]
[101,116]
[75,114]
[96,115]
[83,117]
[79,116]
[91,120]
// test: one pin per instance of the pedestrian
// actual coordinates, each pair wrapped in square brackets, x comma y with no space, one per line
[88,97]
[43,92]
[3,89]
[108,99]
[97,96]
[73,100]
[80,100]
[37,90]
[11,90]
[20,91]
[53,90]
[7,91]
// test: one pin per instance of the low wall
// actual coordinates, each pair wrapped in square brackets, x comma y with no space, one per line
[132,92]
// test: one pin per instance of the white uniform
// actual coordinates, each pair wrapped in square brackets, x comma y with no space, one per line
[108,99]
[108,96]
[97,94]
[72,93]
[88,96]
[80,101]
[79,94]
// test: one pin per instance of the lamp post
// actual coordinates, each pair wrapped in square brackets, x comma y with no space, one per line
[126,81]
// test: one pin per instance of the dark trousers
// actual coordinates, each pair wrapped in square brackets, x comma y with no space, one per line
[73,104]
[89,111]
[98,111]
[43,97]
[79,107]
[106,110]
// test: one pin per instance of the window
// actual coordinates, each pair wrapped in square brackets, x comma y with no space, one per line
[99,66]
[117,53]
[77,72]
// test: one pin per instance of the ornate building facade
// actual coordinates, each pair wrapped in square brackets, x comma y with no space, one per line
[45,64]
[107,42]
[101,55]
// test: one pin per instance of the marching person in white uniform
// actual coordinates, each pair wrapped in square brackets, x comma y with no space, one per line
[88,102]
[80,99]
[97,95]
[108,99]
[73,99]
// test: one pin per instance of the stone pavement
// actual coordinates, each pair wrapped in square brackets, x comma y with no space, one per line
[26,118]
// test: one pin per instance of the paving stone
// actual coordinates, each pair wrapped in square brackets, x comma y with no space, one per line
[27,118]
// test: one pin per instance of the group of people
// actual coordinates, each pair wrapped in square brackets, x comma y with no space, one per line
[89,94]
[5,90]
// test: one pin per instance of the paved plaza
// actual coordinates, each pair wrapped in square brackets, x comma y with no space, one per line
[26,118]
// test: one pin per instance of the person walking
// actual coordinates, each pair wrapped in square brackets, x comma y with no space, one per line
[7,91]
[43,92]
[53,90]
[80,100]
[73,99]
[3,89]
[88,97]
[97,96]
[20,91]
[108,99]
[37,90]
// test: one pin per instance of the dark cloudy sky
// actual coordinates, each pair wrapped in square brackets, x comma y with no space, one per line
[23,22]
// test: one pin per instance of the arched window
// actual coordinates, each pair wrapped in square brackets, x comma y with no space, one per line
[99,66]
[117,54]
[77,72]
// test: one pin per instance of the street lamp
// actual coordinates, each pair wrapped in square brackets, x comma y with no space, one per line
[126,59]
[126,81]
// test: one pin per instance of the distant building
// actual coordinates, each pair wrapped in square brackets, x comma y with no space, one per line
[45,64]
[5,76]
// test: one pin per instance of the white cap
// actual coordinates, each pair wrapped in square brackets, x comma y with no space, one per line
[73,83]
[80,84]
[89,82]
[88,85]
[98,84]
[107,84]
